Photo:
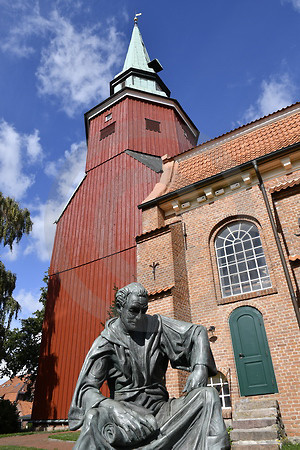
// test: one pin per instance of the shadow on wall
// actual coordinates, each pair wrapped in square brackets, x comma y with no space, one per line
[47,378]
[290,240]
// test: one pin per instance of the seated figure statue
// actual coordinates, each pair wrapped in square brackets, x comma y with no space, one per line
[132,355]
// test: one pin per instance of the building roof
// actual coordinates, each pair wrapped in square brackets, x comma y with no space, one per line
[138,71]
[284,184]
[24,408]
[11,388]
[137,56]
[219,155]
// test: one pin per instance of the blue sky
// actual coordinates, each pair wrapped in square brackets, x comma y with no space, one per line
[226,62]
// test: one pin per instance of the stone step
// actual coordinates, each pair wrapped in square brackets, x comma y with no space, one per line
[247,404]
[245,424]
[255,434]
[256,445]
[255,413]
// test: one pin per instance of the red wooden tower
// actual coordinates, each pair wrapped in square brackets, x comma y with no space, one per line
[94,249]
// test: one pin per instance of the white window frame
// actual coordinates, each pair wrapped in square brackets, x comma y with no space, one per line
[219,382]
[241,260]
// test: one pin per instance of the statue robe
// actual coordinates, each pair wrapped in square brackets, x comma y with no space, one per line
[134,366]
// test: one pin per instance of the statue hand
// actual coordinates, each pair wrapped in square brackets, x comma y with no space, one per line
[198,378]
[136,426]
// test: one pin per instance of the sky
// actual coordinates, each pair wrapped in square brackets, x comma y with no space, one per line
[226,62]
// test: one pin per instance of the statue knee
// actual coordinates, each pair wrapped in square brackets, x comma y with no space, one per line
[212,394]
[91,413]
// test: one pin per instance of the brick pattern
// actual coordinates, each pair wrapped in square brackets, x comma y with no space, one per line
[287,206]
[152,218]
[196,295]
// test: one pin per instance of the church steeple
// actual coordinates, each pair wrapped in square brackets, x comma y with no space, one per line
[138,71]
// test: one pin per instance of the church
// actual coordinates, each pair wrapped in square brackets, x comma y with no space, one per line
[212,231]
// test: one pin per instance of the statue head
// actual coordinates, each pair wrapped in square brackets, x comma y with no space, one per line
[132,305]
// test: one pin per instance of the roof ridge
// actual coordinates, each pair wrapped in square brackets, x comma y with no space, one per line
[210,141]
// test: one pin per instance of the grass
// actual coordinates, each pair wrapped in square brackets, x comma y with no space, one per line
[21,433]
[15,447]
[286,445]
[27,433]
[72,436]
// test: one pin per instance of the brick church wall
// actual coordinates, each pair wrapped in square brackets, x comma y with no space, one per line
[187,287]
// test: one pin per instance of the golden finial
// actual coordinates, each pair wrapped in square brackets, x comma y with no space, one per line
[136,17]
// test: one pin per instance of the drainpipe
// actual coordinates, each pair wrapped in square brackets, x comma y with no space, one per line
[278,243]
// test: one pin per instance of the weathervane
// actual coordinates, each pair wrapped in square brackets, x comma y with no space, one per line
[136,17]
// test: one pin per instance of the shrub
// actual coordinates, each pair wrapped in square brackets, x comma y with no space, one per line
[9,417]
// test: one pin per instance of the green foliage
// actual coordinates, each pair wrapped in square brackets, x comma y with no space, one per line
[22,345]
[113,312]
[287,445]
[14,222]
[9,417]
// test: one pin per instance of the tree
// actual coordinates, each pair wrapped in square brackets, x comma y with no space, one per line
[22,345]
[14,222]
[9,417]
[113,311]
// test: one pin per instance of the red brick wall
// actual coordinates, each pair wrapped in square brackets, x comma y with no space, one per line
[200,300]
[287,211]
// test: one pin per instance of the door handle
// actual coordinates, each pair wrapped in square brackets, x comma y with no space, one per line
[241,355]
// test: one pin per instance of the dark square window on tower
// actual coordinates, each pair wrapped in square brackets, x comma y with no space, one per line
[110,129]
[152,125]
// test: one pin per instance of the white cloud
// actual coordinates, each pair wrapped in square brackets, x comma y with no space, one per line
[13,179]
[68,172]
[43,230]
[33,146]
[29,302]
[17,152]
[77,66]
[25,23]
[276,93]
[295,4]
[12,255]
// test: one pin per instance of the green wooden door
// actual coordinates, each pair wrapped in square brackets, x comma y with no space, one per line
[251,352]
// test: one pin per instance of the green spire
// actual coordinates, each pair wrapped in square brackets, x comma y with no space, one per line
[138,71]
[137,56]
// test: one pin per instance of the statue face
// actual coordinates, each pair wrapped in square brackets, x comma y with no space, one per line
[132,313]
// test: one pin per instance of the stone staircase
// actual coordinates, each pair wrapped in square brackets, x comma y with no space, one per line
[257,425]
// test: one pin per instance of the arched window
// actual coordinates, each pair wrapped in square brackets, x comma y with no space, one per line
[220,382]
[241,260]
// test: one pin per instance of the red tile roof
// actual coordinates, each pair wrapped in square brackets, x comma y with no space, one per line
[24,408]
[285,184]
[247,125]
[160,291]
[294,257]
[10,389]
[253,143]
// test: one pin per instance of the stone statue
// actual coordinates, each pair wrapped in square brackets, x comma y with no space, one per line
[132,355]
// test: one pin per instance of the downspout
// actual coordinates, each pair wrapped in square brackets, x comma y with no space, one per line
[278,243]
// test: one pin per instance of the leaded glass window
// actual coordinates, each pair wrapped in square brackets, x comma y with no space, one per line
[241,261]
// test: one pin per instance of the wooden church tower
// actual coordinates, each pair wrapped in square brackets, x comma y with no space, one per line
[95,250]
